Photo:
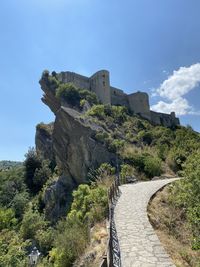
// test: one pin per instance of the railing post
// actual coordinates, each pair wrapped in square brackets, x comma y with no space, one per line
[113,193]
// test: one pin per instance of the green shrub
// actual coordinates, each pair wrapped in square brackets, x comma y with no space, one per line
[116,145]
[13,250]
[89,203]
[146,137]
[101,136]
[37,171]
[126,170]
[82,103]
[19,203]
[69,93]
[75,96]
[32,222]
[176,158]
[152,166]
[186,195]
[144,162]
[70,242]
[104,112]
[53,83]
[107,169]
[13,190]
[89,96]
[163,150]
[119,113]
[97,111]
[7,218]
[103,172]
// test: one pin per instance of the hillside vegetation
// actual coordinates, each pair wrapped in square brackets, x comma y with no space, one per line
[142,150]
[7,164]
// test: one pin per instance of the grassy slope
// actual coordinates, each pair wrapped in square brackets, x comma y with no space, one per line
[173,230]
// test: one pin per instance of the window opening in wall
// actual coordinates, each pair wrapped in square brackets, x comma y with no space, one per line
[104,83]
[103,76]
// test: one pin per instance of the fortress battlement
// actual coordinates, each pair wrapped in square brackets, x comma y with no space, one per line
[137,102]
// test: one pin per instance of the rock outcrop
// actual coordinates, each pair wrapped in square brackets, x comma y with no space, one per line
[75,148]
[44,142]
[71,141]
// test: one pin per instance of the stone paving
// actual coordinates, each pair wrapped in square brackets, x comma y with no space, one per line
[139,244]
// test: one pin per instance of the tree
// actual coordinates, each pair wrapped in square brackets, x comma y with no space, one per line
[31,163]
[37,171]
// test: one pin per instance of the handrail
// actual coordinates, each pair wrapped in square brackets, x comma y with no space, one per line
[112,258]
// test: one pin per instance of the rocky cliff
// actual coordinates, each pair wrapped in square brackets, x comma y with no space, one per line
[70,140]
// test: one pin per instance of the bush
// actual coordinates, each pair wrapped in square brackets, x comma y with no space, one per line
[19,203]
[163,151]
[152,166]
[7,218]
[13,191]
[31,163]
[101,174]
[32,222]
[126,170]
[97,111]
[69,93]
[146,137]
[13,250]
[101,136]
[37,172]
[186,195]
[176,158]
[89,203]
[75,96]
[116,145]
[89,96]
[53,83]
[70,242]
[119,113]
[103,112]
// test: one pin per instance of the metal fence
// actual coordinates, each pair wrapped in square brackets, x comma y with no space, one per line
[112,259]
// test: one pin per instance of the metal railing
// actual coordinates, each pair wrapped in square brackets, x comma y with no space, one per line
[112,259]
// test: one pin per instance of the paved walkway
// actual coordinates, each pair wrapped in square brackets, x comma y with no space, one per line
[139,244]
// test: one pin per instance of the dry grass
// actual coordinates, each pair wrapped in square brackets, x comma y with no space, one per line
[97,248]
[173,231]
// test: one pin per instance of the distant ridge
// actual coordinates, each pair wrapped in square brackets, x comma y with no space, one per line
[7,164]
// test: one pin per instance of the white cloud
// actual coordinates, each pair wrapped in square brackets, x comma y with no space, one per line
[180,106]
[175,87]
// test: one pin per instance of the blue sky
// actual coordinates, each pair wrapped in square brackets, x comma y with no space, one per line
[152,46]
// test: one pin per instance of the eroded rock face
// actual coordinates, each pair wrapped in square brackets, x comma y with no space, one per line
[57,198]
[43,141]
[75,148]
[71,141]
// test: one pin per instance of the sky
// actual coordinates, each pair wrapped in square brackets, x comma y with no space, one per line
[151,46]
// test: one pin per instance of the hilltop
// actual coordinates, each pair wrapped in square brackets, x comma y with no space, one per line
[58,200]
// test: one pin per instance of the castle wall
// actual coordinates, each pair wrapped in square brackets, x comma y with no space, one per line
[167,120]
[118,97]
[139,104]
[100,84]
[78,80]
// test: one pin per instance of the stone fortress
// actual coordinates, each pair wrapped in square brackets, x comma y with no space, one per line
[137,102]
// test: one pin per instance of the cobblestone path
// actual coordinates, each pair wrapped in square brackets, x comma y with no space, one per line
[139,244]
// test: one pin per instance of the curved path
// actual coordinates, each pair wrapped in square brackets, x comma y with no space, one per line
[139,244]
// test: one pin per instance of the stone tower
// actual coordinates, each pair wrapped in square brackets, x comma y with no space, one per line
[100,84]
[139,104]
